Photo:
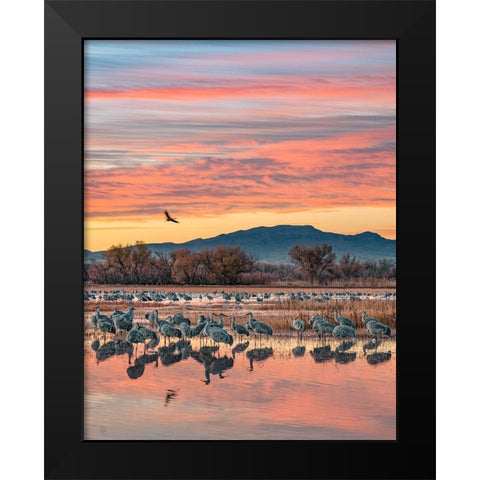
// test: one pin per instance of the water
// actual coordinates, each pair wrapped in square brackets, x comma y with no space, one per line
[282,397]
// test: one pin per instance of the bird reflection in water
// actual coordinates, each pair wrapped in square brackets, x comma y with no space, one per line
[136,371]
[212,365]
[322,354]
[345,357]
[168,356]
[379,357]
[217,367]
[170,395]
[344,346]
[299,351]
[258,354]
[147,358]
[184,348]
[122,347]
[239,348]
[107,350]
[373,344]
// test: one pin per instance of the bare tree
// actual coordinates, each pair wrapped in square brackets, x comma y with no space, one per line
[314,261]
[348,266]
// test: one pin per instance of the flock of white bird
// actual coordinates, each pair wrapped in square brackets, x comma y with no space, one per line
[233,297]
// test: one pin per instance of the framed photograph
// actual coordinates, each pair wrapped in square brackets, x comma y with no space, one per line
[228,187]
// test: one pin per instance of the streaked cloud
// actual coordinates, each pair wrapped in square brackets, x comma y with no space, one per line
[213,127]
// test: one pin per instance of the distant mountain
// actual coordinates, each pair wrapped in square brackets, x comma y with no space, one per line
[272,244]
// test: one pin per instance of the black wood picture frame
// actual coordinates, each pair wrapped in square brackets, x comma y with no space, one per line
[412,25]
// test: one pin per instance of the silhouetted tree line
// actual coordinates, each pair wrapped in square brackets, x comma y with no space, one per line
[223,265]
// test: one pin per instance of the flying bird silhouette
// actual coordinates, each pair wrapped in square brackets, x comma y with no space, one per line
[169,218]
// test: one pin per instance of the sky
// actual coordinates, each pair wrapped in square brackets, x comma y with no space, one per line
[231,135]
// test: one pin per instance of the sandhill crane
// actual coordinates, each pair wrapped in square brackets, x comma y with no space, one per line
[239,329]
[170,331]
[343,320]
[152,318]
[161,323]
[128,315]
[377,328]
[169,218]
[135,335]
[106,325]
[213,323]
[98,316]
[197,329]
[119,313]
[148,333]
[258,327]
[299,325]
[179,318]
[343,331]
[116,311]
[186,330]
[366,319]
[217,334]
[316,318]
[322,327]
[250,320]
[122,323]
[95,317]
[220,321]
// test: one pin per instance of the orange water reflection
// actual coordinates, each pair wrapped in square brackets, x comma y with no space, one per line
[283,396]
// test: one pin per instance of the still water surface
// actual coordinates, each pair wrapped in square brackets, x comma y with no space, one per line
[273,390]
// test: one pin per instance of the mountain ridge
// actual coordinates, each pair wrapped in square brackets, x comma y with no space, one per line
[271,244]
